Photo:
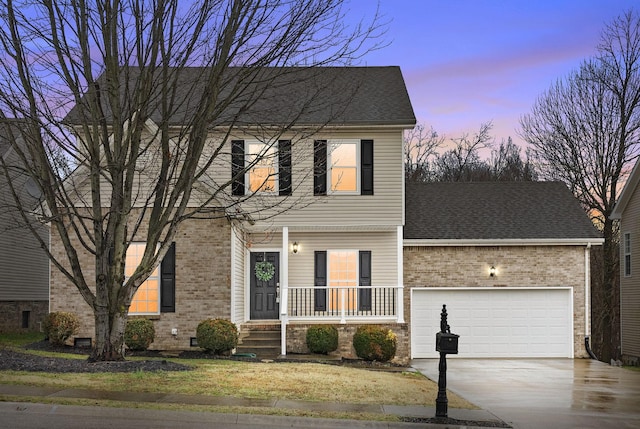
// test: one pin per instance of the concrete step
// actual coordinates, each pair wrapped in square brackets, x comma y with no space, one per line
[261,339]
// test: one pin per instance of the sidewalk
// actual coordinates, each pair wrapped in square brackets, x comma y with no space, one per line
[412,412]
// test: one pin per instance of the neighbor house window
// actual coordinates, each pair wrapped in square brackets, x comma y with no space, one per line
[147,298]
[343,166]
[627,254]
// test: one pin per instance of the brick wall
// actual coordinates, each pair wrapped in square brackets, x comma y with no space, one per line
[11,315]
[203,282]
[297,340]
[517,266]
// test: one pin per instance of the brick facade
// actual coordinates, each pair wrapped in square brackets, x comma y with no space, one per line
[203,285]
[518,266]
[13,314]
[297,340]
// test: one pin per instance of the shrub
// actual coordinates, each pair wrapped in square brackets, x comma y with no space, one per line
[139,334]
[374,343]
[217,335]
[60,325]
[322,339]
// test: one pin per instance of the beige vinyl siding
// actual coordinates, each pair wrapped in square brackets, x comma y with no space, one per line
[630,285]
[238,279]
[385,207]
[384,268]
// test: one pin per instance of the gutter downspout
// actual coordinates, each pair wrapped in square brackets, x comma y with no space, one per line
[587,300]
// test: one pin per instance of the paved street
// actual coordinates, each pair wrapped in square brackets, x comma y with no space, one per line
[545,393]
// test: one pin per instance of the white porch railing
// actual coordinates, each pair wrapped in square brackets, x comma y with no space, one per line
[343,303]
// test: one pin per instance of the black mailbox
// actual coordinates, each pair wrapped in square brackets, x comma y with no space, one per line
[447,343]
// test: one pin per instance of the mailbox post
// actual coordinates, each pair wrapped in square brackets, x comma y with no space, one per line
[446,343]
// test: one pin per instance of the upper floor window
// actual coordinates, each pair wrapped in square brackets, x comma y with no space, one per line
[261,167]
[343,166]
[627,254]
[262,173]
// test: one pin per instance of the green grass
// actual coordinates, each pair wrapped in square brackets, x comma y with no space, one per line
[219,377]
[16,340]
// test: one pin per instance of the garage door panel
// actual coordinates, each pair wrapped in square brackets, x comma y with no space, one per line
[518,322]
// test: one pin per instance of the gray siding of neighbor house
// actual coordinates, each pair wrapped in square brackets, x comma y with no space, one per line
[630,285]
[24,266]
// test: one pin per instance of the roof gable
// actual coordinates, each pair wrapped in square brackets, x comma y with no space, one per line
[627,192]
[494,211]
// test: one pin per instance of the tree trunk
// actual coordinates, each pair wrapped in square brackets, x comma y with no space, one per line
[109,345]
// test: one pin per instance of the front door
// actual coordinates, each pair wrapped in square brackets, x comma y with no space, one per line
[264,285]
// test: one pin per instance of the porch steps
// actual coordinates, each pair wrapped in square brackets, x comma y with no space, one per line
[263,339]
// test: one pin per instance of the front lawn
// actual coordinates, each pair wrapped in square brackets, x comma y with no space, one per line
[220,377]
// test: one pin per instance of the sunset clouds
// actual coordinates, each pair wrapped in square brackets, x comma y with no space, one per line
[467,62]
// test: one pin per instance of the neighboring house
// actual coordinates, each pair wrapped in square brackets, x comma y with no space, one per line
[509,259]
[627,209]
[24,283]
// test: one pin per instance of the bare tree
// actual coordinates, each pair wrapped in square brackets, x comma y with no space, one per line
[506,164]
[150,125]
[421,147]
[585,131]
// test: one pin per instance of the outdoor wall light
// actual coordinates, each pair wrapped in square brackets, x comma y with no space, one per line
[492,271]
[295,247]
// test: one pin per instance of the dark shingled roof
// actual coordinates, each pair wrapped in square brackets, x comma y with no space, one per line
[494,210]
[285,95]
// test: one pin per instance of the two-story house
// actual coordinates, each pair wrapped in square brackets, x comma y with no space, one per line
[334,256]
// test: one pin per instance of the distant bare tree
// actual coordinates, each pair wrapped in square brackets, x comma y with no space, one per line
[585,131]
[421,148]
[122,65]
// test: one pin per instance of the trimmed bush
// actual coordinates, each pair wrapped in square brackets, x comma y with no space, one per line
[139,334]
[322,339]
[217,335]
[374,343]
[60,325]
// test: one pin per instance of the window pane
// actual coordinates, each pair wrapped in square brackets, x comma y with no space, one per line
[147,298]
[344,167]
[262,176]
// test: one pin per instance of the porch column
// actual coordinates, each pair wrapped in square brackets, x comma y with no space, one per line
[284,290]
[400,250]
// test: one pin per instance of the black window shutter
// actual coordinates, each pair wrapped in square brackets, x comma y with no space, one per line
[320,281]
[237,167]
[168,281]
[320,167]
[366,167]
[284,167]
[364,298]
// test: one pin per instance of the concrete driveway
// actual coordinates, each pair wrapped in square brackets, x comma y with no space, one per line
[545,393]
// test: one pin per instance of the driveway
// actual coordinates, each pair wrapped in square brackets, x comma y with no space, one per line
[545,393]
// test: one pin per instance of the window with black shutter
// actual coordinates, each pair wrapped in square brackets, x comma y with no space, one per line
[284,167]
[237,167]
[168,281]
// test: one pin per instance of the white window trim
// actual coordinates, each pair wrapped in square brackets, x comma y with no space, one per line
[158,278]
[276,167]
[626,239]
[356,142]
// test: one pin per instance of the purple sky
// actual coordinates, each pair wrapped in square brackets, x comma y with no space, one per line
[466,62]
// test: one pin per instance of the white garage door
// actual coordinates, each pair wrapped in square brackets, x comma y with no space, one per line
[505,322]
